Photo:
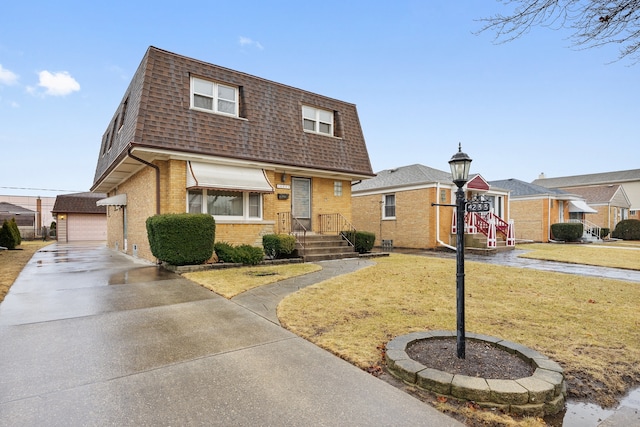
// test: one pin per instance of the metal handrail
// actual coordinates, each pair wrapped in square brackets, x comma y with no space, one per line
[336,223]
[589,227]
[288,224]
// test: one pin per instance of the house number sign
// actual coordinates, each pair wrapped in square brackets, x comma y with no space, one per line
[478,204]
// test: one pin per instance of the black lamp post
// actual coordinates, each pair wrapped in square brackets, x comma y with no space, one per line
[460,163]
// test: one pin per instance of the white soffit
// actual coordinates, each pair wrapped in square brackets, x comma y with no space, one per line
[117,200]
[580,206]
[224,177]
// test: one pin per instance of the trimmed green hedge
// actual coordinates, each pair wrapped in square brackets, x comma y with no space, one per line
[362,240]
[242,254]
[627,229]
[278,245]
[181,239]
[567,231]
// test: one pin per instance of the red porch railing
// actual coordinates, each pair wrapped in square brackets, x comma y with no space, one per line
[488,224]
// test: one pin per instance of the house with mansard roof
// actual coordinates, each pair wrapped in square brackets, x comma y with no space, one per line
[535,208]
[629,180]
[411,207]
[260,156]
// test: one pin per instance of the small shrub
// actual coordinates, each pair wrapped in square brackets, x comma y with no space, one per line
[362,240]
[225,251]
[627,229]
[7,238]
[604,232]
[567,231]
[181,239]
[250,255]
[278,245]
[243,254]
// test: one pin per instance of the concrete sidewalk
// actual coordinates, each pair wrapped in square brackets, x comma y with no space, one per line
[91,337]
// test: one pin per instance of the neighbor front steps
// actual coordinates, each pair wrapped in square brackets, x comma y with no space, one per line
[320,247]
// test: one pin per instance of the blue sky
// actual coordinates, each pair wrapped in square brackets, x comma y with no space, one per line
[420,77]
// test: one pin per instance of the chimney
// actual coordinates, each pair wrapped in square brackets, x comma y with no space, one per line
[541,176]
[39,214]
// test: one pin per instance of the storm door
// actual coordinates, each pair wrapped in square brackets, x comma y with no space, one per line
[301,202]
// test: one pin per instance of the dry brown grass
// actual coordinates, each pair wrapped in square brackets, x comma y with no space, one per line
[622,254]
[12,263]
[233,281]
[589,325]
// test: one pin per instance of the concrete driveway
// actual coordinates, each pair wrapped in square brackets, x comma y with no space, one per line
[91,337]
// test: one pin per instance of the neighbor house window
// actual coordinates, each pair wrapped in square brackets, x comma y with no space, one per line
[226,204]
[337,188]
[389,206]
[316,120]
[214,97]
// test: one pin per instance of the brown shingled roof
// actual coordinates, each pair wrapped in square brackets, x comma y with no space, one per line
[79,203]
[269,128]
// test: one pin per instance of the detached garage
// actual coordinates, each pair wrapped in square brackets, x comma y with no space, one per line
[78,218]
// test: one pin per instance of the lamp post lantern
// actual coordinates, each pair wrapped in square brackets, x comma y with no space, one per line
[460,163]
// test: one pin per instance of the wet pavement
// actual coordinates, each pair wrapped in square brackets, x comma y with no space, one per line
[91,337]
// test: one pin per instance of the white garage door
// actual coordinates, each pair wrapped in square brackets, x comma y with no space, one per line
[87,227]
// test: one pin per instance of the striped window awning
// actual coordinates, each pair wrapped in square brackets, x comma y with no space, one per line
[224,177]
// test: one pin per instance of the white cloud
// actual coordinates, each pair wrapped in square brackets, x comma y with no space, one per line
[58,84]
[7,77]
[246,41]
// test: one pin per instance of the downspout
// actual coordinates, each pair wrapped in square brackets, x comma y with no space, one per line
[438,221]
[157,176]
[549,218]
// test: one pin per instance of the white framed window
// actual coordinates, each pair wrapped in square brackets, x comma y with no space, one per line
[316,120]
[337,188]
[237,205]
[389,206]
[214,97]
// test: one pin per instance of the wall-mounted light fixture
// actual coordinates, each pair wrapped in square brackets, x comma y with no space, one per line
[283,177]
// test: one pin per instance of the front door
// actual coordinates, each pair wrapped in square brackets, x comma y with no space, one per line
[301,202]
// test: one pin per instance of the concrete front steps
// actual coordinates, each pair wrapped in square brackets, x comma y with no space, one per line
[478,243]
[320,247]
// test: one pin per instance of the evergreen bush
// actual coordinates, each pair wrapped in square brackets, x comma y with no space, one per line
[278,245]
[627,229]
[362,240]
[224,251]
[250,255]
[567,231]
[604,232]
[242,254]
[181,239]
[16,231]
[7,238]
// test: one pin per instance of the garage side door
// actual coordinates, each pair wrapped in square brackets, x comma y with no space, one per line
[87,227]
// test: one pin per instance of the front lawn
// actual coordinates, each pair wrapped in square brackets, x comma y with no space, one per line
[589,325]
[621,254]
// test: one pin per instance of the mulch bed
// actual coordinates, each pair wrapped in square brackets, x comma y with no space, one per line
[481,359]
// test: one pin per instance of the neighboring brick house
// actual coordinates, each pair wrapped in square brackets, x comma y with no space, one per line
[629,180]
[397,205]
[260,156]
[610,202]
[534,208]
[78,218]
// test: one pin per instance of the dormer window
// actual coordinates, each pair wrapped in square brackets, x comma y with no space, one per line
[317,120]
[214,97]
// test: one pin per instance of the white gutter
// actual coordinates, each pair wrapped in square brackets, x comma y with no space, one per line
[438,221]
